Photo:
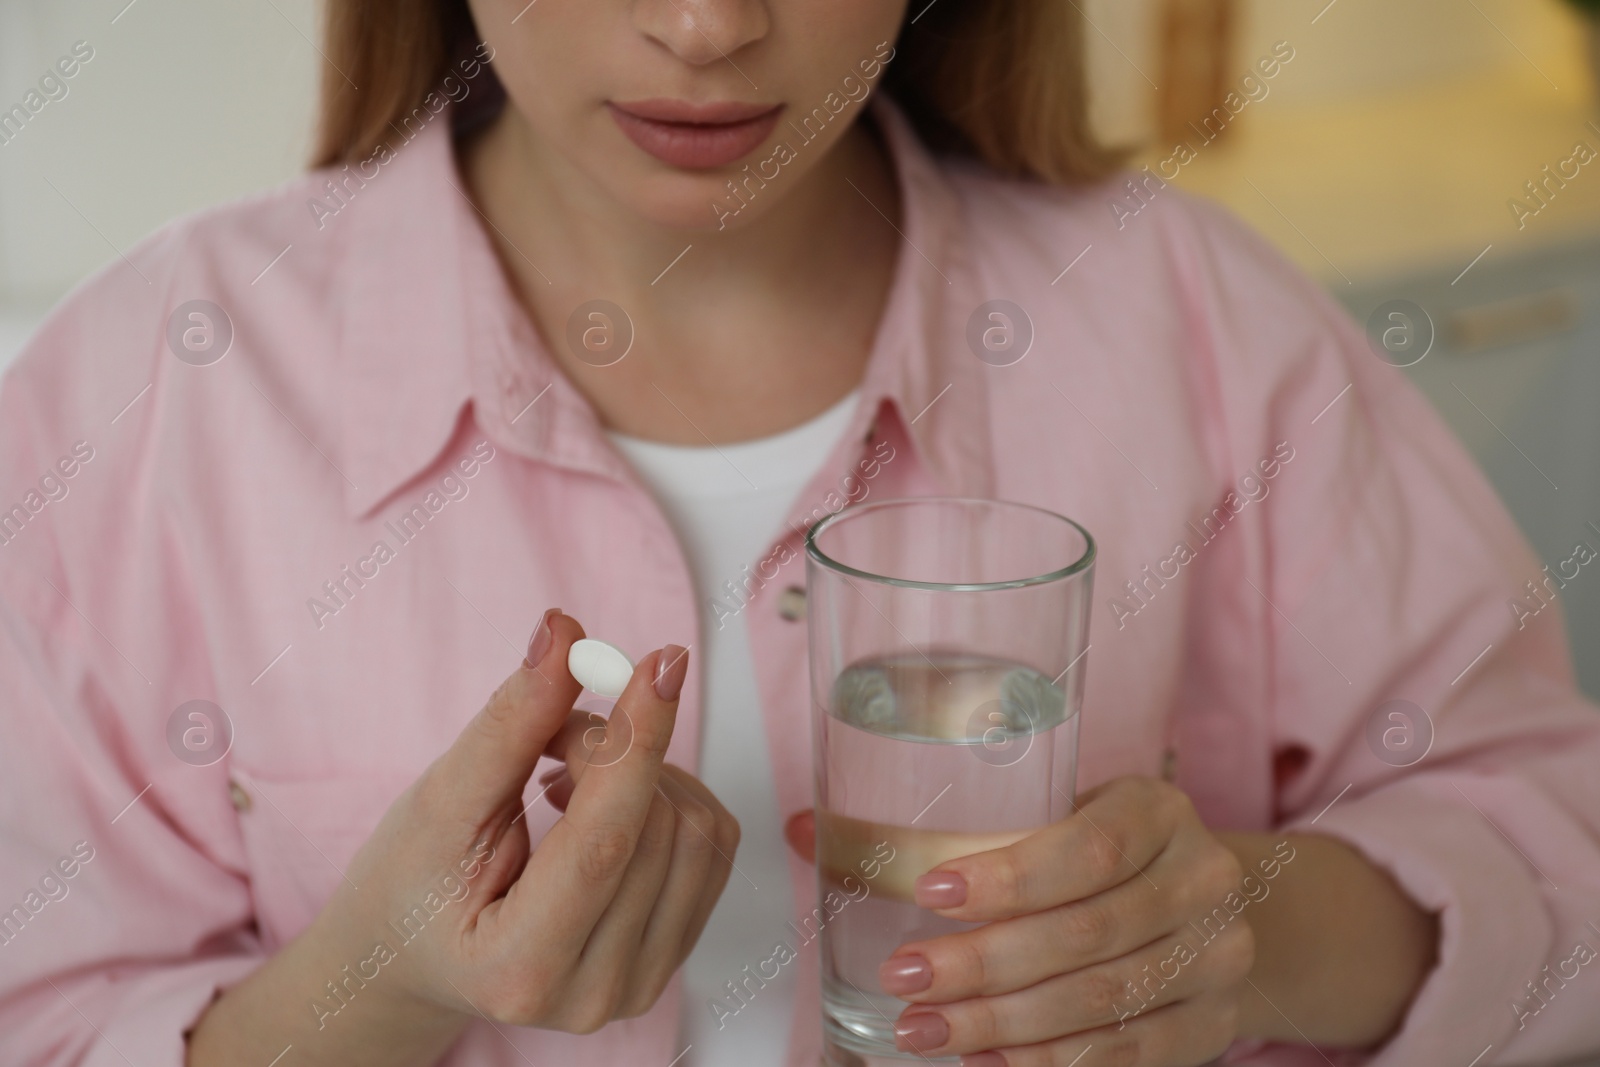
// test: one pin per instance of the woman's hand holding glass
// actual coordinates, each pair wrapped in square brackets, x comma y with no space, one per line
[1091,939]
[1080,947]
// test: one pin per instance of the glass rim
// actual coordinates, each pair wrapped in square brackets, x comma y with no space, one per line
[1077,566]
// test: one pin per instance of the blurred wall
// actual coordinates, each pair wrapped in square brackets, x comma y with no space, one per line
[184,103]
[1354,47]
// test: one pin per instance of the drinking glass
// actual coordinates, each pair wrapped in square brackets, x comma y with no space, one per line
[947,642]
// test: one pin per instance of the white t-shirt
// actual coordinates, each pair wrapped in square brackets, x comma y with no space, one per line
[727,504]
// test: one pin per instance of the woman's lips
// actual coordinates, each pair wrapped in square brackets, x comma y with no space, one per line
[695,136]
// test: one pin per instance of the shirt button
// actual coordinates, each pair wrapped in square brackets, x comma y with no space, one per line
[241,799]
[792,603]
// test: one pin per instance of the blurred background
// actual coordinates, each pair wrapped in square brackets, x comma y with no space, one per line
[1400,156]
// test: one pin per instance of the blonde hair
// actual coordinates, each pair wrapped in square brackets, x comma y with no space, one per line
[999,80]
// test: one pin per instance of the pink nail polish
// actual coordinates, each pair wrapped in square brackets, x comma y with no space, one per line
[941,889]
[900,975]
[539,643]
[983,1059]
[921,1031]
[672,667]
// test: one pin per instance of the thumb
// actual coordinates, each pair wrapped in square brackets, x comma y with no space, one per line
[494,755]
[801,833]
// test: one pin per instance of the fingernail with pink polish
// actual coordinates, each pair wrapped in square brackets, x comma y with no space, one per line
[539,643]
[941,889]
[921,1032]
[672,667]
[900,975]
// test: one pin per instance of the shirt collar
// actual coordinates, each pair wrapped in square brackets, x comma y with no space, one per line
[431,325]
[403,335]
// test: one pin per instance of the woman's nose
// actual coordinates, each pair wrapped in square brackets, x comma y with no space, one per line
[702,31]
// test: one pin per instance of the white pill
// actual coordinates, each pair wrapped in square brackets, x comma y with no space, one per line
[599,667]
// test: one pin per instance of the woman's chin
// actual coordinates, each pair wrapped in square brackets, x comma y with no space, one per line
[699,201]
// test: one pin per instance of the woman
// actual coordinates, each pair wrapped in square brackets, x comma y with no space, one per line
[599,305]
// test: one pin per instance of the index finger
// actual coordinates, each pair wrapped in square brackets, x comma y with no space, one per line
[581,860]
[1118,830]
[492,758]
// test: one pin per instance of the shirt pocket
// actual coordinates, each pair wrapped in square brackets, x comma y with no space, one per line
[300,835]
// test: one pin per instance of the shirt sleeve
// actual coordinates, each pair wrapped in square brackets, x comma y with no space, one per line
[124,906]
[1406,660]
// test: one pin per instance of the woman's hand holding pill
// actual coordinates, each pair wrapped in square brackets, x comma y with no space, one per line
[585,928]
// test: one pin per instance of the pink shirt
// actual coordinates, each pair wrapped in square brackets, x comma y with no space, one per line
[1289,538]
